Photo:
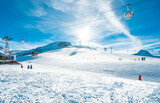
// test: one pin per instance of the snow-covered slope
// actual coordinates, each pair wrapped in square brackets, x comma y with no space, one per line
[101,62]
[81,75]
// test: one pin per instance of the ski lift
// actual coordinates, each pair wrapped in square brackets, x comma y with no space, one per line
[129,14]
[22,40]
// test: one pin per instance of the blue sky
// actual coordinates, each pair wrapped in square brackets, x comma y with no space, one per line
[93,22]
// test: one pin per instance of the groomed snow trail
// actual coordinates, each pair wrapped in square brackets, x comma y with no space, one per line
[55,85]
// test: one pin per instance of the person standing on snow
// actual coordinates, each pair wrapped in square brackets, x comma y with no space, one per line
[31,67]
[28,67]
[144,59]
[139,78]
[21,66]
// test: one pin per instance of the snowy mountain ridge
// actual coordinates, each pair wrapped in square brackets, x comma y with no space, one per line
[46,48]
[145,53]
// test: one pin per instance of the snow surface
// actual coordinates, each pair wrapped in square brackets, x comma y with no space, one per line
[81,75]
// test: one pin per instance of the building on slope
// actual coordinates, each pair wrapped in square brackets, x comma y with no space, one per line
[34,54]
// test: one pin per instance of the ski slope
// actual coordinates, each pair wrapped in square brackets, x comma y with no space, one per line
[98,61]
[81,75]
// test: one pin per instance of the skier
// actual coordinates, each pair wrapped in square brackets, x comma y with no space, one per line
[28,67]
[21,66]
[31,67]
[139,78]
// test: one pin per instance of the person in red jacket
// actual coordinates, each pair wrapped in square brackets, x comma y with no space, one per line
[21,66]
[139,78]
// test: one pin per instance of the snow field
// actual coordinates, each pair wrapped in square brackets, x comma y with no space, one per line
[81,75]
[100,62]
[67,86]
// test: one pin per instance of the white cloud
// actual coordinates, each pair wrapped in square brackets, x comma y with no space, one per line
[135,42]
[37,12]
[91,31]
[151,45]
[86,27]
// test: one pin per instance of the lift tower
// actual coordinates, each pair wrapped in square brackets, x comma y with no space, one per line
[7,39]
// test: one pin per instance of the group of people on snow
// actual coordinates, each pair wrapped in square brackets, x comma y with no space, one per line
[143,58]
[136,59]
[28,67]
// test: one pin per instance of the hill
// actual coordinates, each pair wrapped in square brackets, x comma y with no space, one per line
[46,48]
[145,53]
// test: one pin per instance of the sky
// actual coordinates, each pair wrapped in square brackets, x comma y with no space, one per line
[97,23]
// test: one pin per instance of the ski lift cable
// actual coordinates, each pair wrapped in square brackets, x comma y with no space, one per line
[96,19]
[125,5]
[129,14]
[114,9]
[102,18]
[133,4]
[144,9]
[140,2]
[107,17]
[118,8]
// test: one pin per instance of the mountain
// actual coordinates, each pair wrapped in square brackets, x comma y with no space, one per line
[52,46]
[46,48]
[145,53]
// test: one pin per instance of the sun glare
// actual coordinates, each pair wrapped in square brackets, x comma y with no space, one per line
[84,34]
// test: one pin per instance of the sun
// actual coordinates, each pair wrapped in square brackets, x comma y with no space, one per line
[84,34]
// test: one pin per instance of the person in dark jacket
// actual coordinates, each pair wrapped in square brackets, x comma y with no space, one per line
[144,58]
[139,78]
